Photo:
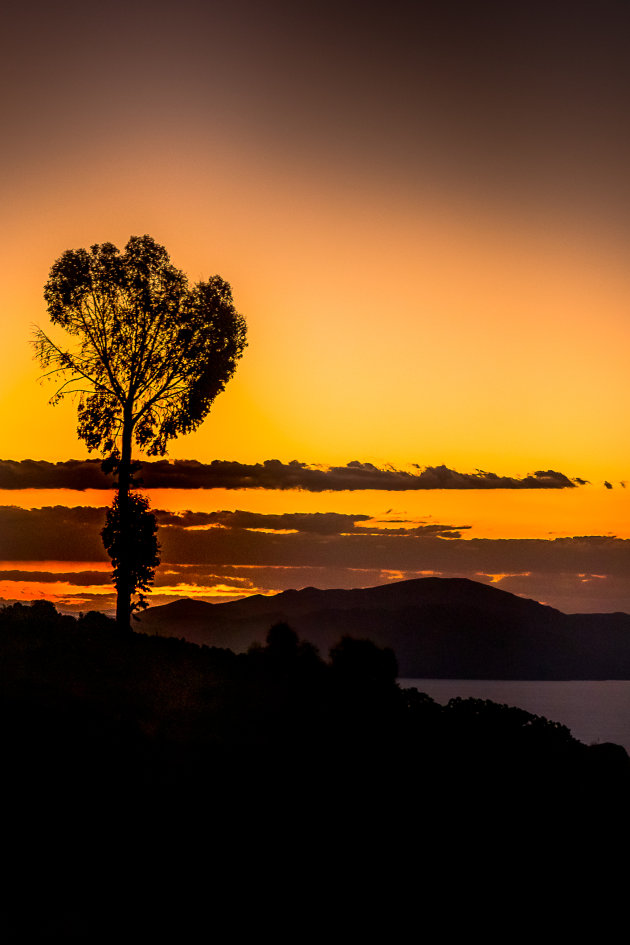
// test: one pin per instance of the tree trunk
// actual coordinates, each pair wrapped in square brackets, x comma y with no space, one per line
[124,588]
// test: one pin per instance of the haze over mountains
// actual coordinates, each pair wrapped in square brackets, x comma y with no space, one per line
[438,627]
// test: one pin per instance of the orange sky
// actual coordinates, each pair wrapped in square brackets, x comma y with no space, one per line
[423,338]
[424,222]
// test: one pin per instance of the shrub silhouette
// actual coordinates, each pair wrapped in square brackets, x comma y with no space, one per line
[362,662]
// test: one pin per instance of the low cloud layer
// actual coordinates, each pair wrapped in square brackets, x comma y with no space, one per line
[227,554]
[58,533]
[304,540]
[314,523]
[272,474]
[54,533]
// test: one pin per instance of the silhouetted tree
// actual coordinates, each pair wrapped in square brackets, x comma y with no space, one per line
[362,662]
[366,693]
[282,639]
[151,355]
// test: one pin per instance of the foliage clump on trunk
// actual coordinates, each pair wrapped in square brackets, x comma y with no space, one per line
[140,545]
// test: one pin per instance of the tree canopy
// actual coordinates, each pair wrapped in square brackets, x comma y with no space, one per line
[151,352]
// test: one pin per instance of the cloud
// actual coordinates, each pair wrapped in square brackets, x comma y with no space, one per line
[441,477]
[76,578]
[272,474]
[39,474]
[241,538]
[317,523]
[222,555]
[323,523]
[53,533]
[399,551]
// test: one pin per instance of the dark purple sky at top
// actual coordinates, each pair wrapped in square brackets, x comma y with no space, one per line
[519,100]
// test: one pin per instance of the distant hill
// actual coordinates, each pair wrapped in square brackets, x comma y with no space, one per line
[438,628]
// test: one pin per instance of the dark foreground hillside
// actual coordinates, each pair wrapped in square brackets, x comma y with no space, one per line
[148,782]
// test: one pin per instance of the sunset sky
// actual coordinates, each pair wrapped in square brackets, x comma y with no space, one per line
[423,211]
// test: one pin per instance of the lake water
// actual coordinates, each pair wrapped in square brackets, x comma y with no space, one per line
[594,710]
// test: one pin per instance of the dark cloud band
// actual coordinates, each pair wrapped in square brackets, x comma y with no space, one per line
[304,540]
[230,554]
[272,474]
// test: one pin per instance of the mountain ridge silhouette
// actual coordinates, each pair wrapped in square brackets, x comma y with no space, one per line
[438,627]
